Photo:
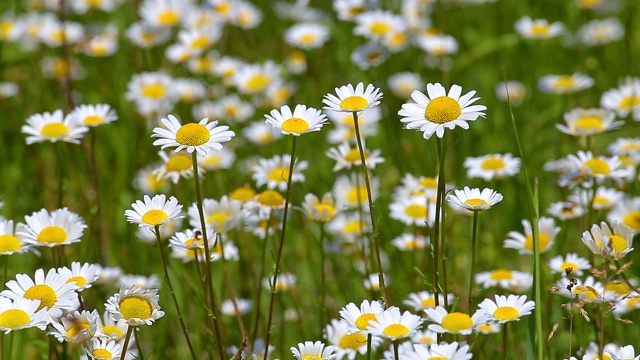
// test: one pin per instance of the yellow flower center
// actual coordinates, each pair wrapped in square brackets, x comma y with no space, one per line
[9,243]
[353,156]
[485,327]
[134,307]
[200,42]
[94,3]
[93,120]
[618,242]
[258,82]
[437,358]
[295,126]
[632,220]
[373,56]
[307,39]
[352,227]
[506,313]
[179,162]
[279,174]
[429,303]
[629,102]
[617,287]
[501,274]
[14,318]
[456,321]
[192,134]
[44,293]
[98,49]
[354,103]
[416,211]
[602,201]
[243,194]
[5,28]
[362,322]
[568,265]
[312,357]
[102,354]
[396,330]
[585,291]
[412,245]
[493,163]
[52,235]
[78,329]
[352,341]
[597,166]
[379,28]
[477,203]
[357,195]
[54,130]
[543,242]
[112,332]
[325,212]
[79,280]
[154,91]
[540,29]
[217,219]
[429,183]
[168,17]
[271,198]
[564,82]
[442,110]
[589,123]
[154,217]
[154,183]
[222,8]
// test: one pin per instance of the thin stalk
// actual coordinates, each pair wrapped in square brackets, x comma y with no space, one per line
[127,337]
[173,295]
[259,285]
[395,350]
[473,259]
[323,290]
[208,278]
[437,226]
[365,260]
[626,279]
[136,337]
[280,246]
[92,169]
[59,175]
[369,338]
[376,239]
[504,340]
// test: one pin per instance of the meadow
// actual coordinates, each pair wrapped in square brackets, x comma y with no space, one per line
[463,185]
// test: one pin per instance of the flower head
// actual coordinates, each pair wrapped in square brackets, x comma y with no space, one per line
[60,227]
[200,137]
[614,241]
[313,351]
[392,325]
[153,211]
[348,99]
[21,313]
[474,200]
[137,306]
[505,309]
[301,121]
[53,127]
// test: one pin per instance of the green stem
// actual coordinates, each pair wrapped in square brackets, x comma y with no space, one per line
[504,341]
[376,239]
[280,246]
[473,259]
[395,350]
[127,337]
[173,295]
[437,226]
[365,260]
[259,285]
[323,290]
[369,338]
[138,347]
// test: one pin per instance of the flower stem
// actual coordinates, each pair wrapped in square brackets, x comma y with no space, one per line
[323,290]
[173,295]
[259,285]
[127,337]
[473,259]
[280,246]
[395,350]
[437,227]
[376,239]
[504,341]
[138,347]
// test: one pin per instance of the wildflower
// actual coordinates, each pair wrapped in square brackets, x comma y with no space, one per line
[188,245]
[255,79]
[438,45]
[316,351]
[373,281]
[347,10]
[166,230]
[584,168]
[10,242]
[148,183]
[404,83]
[245,15]
[506,309]
[229,308]
[346,342]
[604,241]
[600,32]
[538,28]
[425,300]
[232,108]
[392,325]
[349,99]
[103,349]
[436,111]
[141,281]
[319,210]
[301,121]
[496,277]
[274,172]
[60,227]
[513,91]
[346,157]
[163,13]
[410,242]
[454,322]
[147,36]
[593,351]
[94,115]
[76,327]
[307,35]
[413,211]
[360,318]
[474,200]
[154,211]
[369,55]
[201,137]
[589,289]
[492,166]
[375,25]
[261,134]
[285,282]
[349,226]
[152,89]
[453,351]
[564,84]
[54,33]
[111,329]
[53,127]
[424,337]
[8,89]
[176,165]
[21,313]
[569,265]
[565,210]
[351,192]
[217,160]
[626,212]
[190,90]
[296,62]
[587,122]
[83,275]
[242,194]
[137,306]
[489,327]
[622,353]
[82,6]
[623,100]
[547,231]
[221,216]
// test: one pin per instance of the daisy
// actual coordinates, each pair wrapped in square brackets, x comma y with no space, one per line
[564,84]
[624,99]
[60,227]
[410,242]
[392,325]
[166,231]
[261,134]
[227,67]
[301,121]
[83,275]
[103,349]
[8,89]
[505,309]
[600,32]
[285,282]
[347,10]
[316,351]
[189,244]
[373,281]
[627,212]
[396,40]
[569,265]
[609,242]
[489,327]
[201,137]
[593,351]
[255,79]
[198,41]
[376,24]
[454,322]
[53,291]
[584,166]
[369,55]
[351,192]
[424,300]
[589,289]
[521,283]
[274,172]
[152,89]
[221,216]
[425,337]
[296,62]
[245,15]
[137,306]
[565,210]
[154,211]
[141,281]
[359,319]
[538,28]
[345,127]
[176,165]
[413,211]
[243,194]
[21,313]
[625,147]
[232,108]
[307,35]
[513,91]
[438,45]
[163,13]
[492,166]
[82,6]
[147,36]
[54,33]
[623,353]
[229,308]
[217,160]
[111,329]
[452,351]
[75,327]
[347,157]
[474,200]
[346,342]
[547,231]
[436,111]
[496,277]
[319,210]
[418,186]
[587,122]
[605,198]
[404,83]
[349,99]
[349,226]
[53,127]
[190,90]
[10,242]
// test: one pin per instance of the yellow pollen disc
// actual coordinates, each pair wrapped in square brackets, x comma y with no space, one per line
[374,55]
[355,10]
[379,28]
[154,91]
[98,49]
[135,308]
[412,245]
[168,18]
[212,160]
[599,200]
[632,220]
[617,287]
[54,130]
[295,126]
[44,293]
[493,163]
[14,318]
[222,8]
[589,123]
[9,243]
[5,28]
[79,280]
[352,341]
[154,217]
[94,3]
[633,302]
[416,211]
[93,120]
[352,227]
[217,218]
[597,166]
[154,183]
[243,194]
[362,322]
[585,291]
[77,330]
[258,82]
[477,203]
[540,29]
[200,42]
[271,198]
[543,242]
[57,35]
[113,332]
[52,235]
[307,39]
[429,183]
[456,321]
[618,242]
[564,82]
[501,274]
[282,286]
[485,327]
[396,330]
[102,354]
[566,265]
[629,102]
[357,195]
[437,358]
[279,174]
[506,313]
[427,340]
[442,110]
[325,211]
[354,103]
[232,111]
[429,303]
[148,37]
[353,156]
[192,134]
[312,357]
[179,162]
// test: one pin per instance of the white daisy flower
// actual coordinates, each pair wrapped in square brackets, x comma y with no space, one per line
[255,78]
[274,172]
[585,167]
[111,329]
[587,122]
[569,265]
[360,318]
[307,35]
[565,210]
[624,99]
[392,325]
[21,313]
[373,281]
[75,327]
[474,199]
[83,275]
[565,84]
[201,137]
[175,166]
[547,231]
[94,115]
[285,282]
[538,28]
[627,212]
[316,209]
[163,13]
[376,24]
[605,198]
[513,91]
[413,211]
[347,343]
[452,351]
[348,99]
[217,160]
[301,121]
[623,353]
[261,134]
[454,322]
[505,309]
[404,83]
[573,288]
[310,350]
[147,36]
[492,166]
[60,227]
[410,242]
[609,242]
[148,183]
[229,308]
[221,216]
[347,10]
[146,282]
[424,300]
[53,127]
[103,349]
[600,32]
[10,241]
[347,157]
[438,45]
[368,55]
[137,306]
[154,211]
[496,277]
[436,111]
